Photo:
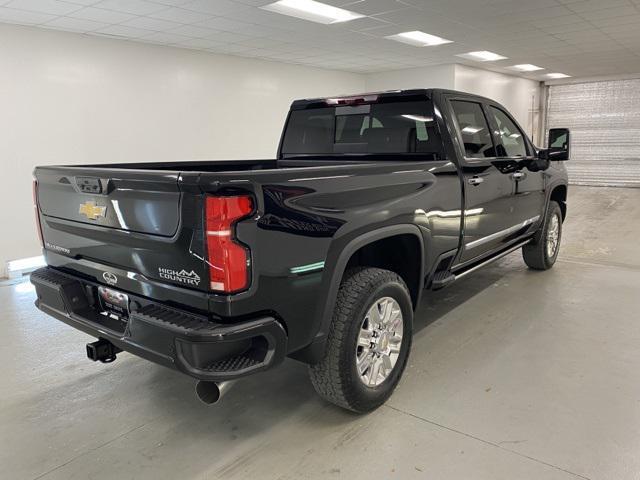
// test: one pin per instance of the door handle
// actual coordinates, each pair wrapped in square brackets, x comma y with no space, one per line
[519,175]
[475,180]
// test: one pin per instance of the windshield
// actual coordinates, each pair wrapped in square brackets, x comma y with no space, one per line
[384,128]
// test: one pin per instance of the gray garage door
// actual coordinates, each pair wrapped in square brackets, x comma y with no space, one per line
[604,118]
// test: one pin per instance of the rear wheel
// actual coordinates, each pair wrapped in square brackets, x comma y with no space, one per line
[541,253]
[369,340]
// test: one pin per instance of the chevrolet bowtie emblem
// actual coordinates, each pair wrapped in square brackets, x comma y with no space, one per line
[92,211]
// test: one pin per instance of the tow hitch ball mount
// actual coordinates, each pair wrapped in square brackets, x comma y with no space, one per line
[102,350]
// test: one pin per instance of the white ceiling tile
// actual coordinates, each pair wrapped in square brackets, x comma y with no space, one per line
[594,5]
[361,24]
[624,28]
[53,7]
[101,15]
[531,15]
[164,37]
[612,22]
[555,21]
[216,7]
[136,7]
[574,27]
[224,24]
[229,37]
[403,17]
[83,2]
[373,7]
[520,6]
[610,13]
[199,43]
[260,42]
[123,31]
[192,31]
[23,17]
[151,23]
[255,3]
[258,30]
[582,36]
[75,24]
[271,19]
[180,15]
[172,3]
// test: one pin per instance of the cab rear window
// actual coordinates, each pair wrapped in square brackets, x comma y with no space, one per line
[386,128]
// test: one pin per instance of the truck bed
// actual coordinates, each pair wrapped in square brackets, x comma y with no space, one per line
[212,166]
[146,216]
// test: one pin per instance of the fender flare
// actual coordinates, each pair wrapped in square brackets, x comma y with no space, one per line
[315,350]
[549,192]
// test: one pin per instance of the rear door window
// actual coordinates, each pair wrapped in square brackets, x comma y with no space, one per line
[474,129]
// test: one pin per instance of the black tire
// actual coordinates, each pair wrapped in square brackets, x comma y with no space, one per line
[336,377]
[535,253]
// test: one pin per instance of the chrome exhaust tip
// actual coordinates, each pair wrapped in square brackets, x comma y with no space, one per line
[210,393]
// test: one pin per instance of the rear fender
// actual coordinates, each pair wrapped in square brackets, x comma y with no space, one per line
[336,269]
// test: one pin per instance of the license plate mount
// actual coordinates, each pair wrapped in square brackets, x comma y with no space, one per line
[114,302]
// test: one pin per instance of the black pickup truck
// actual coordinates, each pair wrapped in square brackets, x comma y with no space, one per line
[222,269]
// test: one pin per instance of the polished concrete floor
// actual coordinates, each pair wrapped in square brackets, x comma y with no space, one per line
[514,374]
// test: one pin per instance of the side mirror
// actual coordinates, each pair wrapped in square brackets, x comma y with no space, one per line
[559,146]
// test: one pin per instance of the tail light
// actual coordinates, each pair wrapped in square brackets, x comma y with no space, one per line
[228,259]
[35,209]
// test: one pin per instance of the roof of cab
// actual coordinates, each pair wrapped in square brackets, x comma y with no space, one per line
[373,97]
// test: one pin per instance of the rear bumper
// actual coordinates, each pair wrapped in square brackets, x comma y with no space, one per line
[175,338]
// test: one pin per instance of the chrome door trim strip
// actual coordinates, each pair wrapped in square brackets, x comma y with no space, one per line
[501,233]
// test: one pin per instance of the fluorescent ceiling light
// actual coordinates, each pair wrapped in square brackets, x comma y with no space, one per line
[419,39]
[312,10]
[526,67]
[482,56]
[557,75]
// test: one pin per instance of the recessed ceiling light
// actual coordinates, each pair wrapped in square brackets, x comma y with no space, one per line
[526,67]
[482,56]
[557,75]
[312,10]
[419,39]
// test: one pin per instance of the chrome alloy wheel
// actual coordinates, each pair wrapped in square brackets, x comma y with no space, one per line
[553,236]
[379,341]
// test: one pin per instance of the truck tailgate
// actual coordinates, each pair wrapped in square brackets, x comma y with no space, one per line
[143,224]
[135,201]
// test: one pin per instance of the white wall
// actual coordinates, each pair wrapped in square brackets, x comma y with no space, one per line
[519,95]
[67,98]
[438,76]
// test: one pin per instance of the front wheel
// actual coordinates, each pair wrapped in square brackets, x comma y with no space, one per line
[541,253]
[369,340]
